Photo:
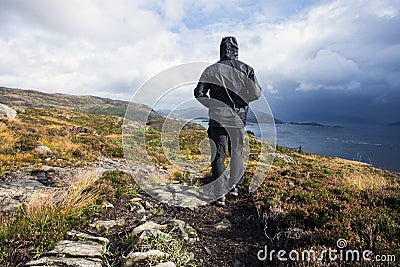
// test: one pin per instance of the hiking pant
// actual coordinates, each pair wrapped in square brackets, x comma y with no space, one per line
[219,138]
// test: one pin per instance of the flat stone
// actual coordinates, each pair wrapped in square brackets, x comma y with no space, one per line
[147,226]
[107,205]
[44,150]
[108,224]
[66,262]
[135,257]
[9,204]
[13,194]
[84,248]
[135,199]
[223,224]
[178,195]
[166,264]
[98,239]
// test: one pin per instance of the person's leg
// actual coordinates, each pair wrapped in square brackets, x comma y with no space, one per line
[235,146]
[218,140]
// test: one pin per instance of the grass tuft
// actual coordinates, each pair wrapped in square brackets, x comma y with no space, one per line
[46,217]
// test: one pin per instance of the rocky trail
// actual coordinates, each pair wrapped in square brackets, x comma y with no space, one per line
[202,236]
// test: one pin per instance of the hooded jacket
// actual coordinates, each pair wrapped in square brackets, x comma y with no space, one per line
[230,83]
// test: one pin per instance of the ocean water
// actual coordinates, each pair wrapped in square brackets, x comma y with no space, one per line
[375,144]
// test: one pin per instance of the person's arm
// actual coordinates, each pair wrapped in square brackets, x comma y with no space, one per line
[253,89]
[201,90]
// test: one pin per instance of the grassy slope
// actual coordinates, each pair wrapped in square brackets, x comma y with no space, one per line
[325,197]
[87,104]
[331,198]
[75,138]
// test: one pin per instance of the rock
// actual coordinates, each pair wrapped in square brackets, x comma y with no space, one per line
[135,199]
[223,225]
[14,193]
[20,110]
[166,264]
[148,205]
[107,205]
[178,195]
[99,239]
[188,233]
[147,226]
[83,253]
[9,204]
[66,262]
[107,224]
[87,248]
[136,206]
[134,257]
[294,233]
[144,236]
[7,112]
[43,150]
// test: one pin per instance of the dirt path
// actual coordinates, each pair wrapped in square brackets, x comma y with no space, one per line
[236,246]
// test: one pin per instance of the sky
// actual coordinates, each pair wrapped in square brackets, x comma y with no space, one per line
[326,61]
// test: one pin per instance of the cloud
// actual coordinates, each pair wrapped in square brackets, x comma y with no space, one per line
[343,45]
[110,48]
[328,70]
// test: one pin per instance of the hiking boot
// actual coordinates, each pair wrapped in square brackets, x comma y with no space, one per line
[221,202]
[234,192]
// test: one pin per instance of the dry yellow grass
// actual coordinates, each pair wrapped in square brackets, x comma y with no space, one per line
[114,136]
[7,138]
[365,181]
[67,200]
[354,174]
[55,120]
[60,143]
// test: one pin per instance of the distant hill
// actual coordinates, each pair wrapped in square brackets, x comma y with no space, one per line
[86,104]
[185,113]
[315,124]
[395,123]
[257,116]
[202,113]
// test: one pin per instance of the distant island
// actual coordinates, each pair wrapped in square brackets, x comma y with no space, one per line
[314,124]
[253,116]
[395,123]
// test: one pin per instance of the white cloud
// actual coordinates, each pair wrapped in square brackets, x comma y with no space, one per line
[109,48]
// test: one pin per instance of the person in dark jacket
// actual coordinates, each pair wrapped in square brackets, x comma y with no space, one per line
[226,88]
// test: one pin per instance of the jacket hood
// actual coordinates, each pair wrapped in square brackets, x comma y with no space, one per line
[229,48]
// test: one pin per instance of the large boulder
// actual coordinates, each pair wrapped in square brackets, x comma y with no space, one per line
[7,112]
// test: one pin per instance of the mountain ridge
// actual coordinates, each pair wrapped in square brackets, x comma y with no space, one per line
[15,97]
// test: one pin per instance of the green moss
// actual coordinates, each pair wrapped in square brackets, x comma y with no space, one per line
[118,184]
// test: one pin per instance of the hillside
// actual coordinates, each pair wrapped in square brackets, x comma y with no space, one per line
[87,104]
[306,201]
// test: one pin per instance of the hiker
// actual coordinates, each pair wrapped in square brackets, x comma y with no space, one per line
[231,85]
